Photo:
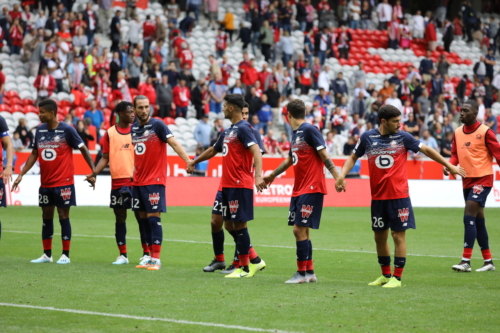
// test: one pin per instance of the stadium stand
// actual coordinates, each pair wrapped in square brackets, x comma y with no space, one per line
[168,32]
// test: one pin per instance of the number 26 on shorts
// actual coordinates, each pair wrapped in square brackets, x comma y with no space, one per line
[378,223]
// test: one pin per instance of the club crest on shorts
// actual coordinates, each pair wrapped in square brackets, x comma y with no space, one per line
[1,195]
[233,206]
[66,193]
[154,198]
[477,189]
[404,214]
[306,211]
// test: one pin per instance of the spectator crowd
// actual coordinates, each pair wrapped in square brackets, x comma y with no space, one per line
[60,45]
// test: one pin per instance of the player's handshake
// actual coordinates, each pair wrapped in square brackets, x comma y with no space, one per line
[454,170]
[340,185]
[190,167]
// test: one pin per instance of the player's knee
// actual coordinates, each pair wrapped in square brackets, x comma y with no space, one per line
[300,233]
[216,223]
[399,237]
[228,225]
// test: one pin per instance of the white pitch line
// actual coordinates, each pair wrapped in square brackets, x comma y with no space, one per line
[260,245]
[169,320]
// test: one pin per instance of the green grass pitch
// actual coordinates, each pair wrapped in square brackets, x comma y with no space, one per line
[434,298]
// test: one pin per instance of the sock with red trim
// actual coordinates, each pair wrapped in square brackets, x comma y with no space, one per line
[144,240]
[310,264]
[243,247]
[302,256]
[385,265]
[156,236]
[236,260]
[470,234]
[482,239]
[147,235]
[65,235]
[399,266]
[218,244]
[120,236]
[47,233]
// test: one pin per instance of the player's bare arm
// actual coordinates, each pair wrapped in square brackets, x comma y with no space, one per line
[206,155]
[179,150]
[88,158]
[288,162]
[328,163]
[27,166]
[257,158]
[434,155]
[340,184]
[7,172]
[103,162]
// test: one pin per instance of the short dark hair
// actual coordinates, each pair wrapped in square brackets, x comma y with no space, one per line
[297,109]
[387,112]
[138,97]
[49,105]
[122,106]
[246,105]
[235,100]
[473,104]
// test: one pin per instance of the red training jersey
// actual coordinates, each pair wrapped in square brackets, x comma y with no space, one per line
[55,152]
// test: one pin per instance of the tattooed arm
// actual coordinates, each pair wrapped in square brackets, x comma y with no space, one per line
[328,163]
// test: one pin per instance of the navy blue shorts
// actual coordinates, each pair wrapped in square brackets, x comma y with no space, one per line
[121,198]
[61,196]
[478,193]
[217,210]
[396,214]
[237,204]
[3,194]
[149,199]
[305,210]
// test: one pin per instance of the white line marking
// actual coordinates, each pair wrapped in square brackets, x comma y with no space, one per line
[260,245]
[176,321]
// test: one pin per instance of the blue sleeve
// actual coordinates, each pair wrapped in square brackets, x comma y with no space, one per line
[360,148]
[218,144]
[4,129]
[72,138]
[87,114]
[411,143]
[246,137]
[259,140]
[162,131]
[313,138]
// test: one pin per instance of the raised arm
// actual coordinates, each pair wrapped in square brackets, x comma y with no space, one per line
[328,163]
[269,179]
[434,155]
[257,161]
[7,172]
[179,150]
[27,166]
[88,158]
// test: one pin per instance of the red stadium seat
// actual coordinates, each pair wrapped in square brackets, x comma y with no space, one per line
[31,108]
[17,107]
[15,100]
[12,93]
[468,62]
[169,120]
[60,117]
[5,107]
[64,103]
[64,110]
[79,112]
[27,101]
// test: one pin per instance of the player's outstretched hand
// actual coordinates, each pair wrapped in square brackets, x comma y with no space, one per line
[454,170]
[190,167]
[341,185]
[269,179]
[90,178]
[6,174]
[16,183]
[260,184]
